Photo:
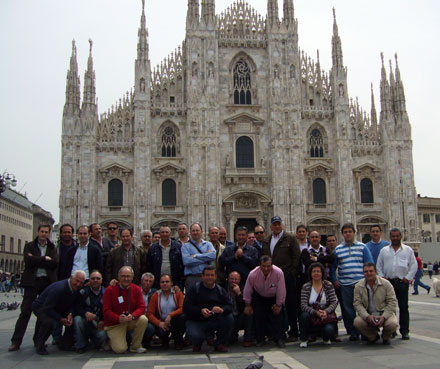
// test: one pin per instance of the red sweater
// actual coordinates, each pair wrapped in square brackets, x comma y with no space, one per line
[112,308]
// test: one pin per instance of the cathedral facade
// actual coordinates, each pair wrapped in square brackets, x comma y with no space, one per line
[235,126]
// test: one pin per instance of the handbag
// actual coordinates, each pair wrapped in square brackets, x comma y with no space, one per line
[315,319]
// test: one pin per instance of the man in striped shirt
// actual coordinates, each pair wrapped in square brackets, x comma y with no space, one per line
[350,257]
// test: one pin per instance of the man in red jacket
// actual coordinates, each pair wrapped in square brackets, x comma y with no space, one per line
[124,308]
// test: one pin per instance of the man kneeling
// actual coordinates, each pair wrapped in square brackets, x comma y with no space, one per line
[208,309]
[124,308]
[375,303]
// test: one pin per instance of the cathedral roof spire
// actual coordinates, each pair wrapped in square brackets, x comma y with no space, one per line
[89,95]
[373,109]
[385,96]
[272,13]
[72,84]
[208,11]
[336,44]
[400,100]
[193,14]
[143,48]
[289,13]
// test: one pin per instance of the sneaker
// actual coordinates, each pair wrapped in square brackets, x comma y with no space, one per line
[328,342]
[303,344]
[139,350]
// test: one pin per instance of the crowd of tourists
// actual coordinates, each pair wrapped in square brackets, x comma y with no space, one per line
[95,292]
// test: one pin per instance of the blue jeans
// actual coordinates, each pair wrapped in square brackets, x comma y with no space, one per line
[418,282]
[348,311]
[327,331]
[197,330]
[84,330]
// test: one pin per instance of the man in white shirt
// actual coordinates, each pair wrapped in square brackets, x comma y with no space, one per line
[398,264]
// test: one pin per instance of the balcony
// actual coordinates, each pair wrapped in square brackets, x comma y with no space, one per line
[121,211]
[321,208]
[368,208]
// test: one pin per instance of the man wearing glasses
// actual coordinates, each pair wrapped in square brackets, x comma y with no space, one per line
[112,234]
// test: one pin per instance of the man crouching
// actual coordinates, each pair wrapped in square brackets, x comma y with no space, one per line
[124,308]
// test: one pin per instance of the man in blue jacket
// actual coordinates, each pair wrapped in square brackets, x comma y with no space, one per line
[54,305]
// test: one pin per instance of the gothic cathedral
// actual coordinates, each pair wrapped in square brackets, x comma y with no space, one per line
[235,126]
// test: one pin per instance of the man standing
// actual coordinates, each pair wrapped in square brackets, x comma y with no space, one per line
[350,257]
[165,257]
[55,304]
[146,240]
[376,244]
[66,241]
[112,234]
[89,320]
[331,242]
[182,231]
[208,309]
[301,236]
[316,253]
[40,264]
[196,255]
[241,257]
[418,276]
[375,303]
[124,310]
[213,234]
[125,255]
[260,235]
[264,295]
[398,264]
[156,236]
[83,256]
[284,251]
[223,236]
[102,243]
[250,239]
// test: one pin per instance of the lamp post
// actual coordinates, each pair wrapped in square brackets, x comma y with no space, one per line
[7,180]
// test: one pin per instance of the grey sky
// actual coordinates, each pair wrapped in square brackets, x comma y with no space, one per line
[35,42]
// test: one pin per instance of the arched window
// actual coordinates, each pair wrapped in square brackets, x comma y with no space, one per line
[319,195]
[169,143]
[115,192]
[169,193]
[367,191]
[242,83]
[244,150]
[316,144]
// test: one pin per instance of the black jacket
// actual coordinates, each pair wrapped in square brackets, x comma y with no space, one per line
[243,265]
[286,254]
[94,260]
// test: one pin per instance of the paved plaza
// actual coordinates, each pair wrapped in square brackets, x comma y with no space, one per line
[421,351]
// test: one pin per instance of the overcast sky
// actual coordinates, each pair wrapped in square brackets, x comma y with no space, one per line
[36,39]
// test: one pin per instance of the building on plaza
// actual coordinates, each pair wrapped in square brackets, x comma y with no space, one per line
[236,125]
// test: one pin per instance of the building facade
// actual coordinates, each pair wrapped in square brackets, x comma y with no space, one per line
[238,124]
[429,220]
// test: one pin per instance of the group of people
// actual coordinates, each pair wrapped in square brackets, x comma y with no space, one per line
[109,293]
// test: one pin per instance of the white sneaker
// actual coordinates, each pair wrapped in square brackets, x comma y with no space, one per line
[327,342]
[139,350]
[303,344]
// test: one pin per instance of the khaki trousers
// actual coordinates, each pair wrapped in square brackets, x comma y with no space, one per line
[389,327]
[117,334]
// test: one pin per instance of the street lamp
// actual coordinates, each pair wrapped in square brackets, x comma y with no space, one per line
[7,180]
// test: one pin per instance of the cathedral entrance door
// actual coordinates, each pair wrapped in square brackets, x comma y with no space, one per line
[249,223]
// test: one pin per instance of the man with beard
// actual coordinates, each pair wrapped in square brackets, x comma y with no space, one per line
[66,241]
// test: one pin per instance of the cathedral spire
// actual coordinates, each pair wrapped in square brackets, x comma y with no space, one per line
[272,13]
[193,14]
[208,11]
[385,97]
[336,44]
[289,13]
[72,84]
[89,95]
[143,48]
[400,100]
[373,109]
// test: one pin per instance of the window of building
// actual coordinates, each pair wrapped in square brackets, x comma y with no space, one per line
[115,196]
[367,191]
[169,193]
[438,237]
[437,218]
[244,150]
[427,237]
[3,243]
[316,144]
[11,244]
[426,218]
[19,246]
[319,195]
[169,143]
[242,83]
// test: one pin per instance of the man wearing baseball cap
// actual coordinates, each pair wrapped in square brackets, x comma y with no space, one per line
[284,250]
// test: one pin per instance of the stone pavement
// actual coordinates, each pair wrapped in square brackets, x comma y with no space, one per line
[421,351]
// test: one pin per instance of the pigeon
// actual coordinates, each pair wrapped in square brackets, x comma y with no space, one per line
[256,364]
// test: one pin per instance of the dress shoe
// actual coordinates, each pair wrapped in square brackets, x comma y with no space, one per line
[221,348]
[197,348]
[178,346]
[80,351]
[292,339]
[247,343]
[260,344]
[429,290]
[14,347]
[415,293]
[336,339]
[394,335]
[386,342]
[42,351]
[372,342]
[280,343]
[354,337]
[405,336]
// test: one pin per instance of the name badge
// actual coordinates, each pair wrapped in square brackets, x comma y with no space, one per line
[272,285]
[121,299]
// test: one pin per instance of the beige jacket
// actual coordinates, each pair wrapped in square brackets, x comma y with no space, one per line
[384,298]
[220,271]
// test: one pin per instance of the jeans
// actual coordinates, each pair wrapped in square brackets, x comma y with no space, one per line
[83,331]
[348,311]
[418,282]
[197,330]
[328,331]
[401,288]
